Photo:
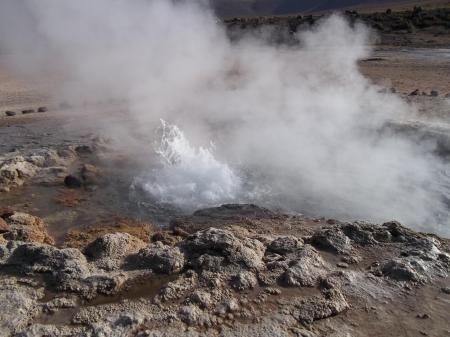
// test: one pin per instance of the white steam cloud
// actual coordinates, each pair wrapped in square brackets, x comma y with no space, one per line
[298,122]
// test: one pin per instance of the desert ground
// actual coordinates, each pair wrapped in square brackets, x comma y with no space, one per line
[81,255]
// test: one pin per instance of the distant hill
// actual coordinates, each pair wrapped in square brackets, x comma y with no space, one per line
[230,8]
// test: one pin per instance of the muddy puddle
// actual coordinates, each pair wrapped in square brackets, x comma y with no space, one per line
[145,287]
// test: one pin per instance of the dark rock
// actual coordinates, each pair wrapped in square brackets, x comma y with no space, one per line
[72,182]
[415,93]
[28,111]
[233,211]
[10,113]
[161,258]
[358,234]
[285,245]
[63,265]
[434,93]
[84,149]
[42,109]
[423,316]
[245,251]
[333,240]
[446,290]
[400,270]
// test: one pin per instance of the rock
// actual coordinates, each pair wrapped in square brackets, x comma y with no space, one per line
[434,93]
[342,265]
[161,258]
[109,250]
[166,238]
[227,306]
[446,290]
[62,266]
[423,316]
[26,227]
[42,109]
[90,174]
[415,93]
[179,288]
[306,268]
[10,113]
[114,245]
[28,111]
[18,303]
[244,280]
[333,240]
[4,227]
[318,308]
[285,245]
[201,298]
[15,170]
[191,314]
[358,234]
[401,270]
[72,182]
[220,242]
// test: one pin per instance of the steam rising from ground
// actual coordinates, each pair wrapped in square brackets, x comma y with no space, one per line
[300,123]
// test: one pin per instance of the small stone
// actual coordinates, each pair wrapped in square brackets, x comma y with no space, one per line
[272,291]
[72,182]
[28,111]
[342,265]
[42,109]
[415,92]
[423,316]
[446,290]
[10,113]
[434,93]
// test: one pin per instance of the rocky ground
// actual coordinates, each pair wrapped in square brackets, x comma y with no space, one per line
[236,270]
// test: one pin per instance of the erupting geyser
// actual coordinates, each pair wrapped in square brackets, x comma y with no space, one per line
[189,177]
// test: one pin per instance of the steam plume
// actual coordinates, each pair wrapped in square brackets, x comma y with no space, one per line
[293,126]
